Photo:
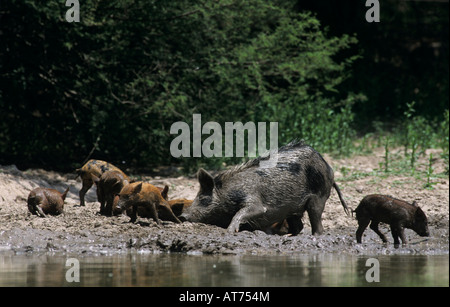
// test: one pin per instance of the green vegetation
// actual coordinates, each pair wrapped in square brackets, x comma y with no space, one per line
[402,149]
[429,184]
[111,86]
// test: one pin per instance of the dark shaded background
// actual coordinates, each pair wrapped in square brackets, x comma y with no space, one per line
[111,86]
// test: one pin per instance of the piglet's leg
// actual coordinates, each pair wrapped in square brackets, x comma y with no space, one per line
[397,231]
[133,215]
[248,212]
[87,184]
[154,213]
[362,225]
[374,227]
[40,212]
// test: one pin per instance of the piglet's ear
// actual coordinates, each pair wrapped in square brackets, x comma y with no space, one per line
[206,181]
[137,188]
[164,192]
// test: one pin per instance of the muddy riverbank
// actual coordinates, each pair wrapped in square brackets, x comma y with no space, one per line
[81,230]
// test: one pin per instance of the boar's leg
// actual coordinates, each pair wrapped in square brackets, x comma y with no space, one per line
[152,210]
[133,213]
[246,214]
[102,201]
[374,227]
[362,225]
[314,207]
[39,211]
[87,184]
[108,208]
[295,224]
[397,231]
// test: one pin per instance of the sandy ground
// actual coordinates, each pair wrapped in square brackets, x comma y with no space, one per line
[83,230]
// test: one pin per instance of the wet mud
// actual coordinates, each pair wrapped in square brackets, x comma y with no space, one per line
[82,230]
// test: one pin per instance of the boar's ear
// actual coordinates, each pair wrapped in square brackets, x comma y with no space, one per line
[206,181]
[164,192]
[414,203]
[137,188]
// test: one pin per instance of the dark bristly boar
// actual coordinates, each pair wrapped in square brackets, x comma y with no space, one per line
[108,186]
[252,197]
[42,201]
[399,214]
[146,199]
[93,168]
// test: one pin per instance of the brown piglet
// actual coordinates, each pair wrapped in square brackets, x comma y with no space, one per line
[146,199]
[91,170]
[43,201]
[397,213]
[108,186]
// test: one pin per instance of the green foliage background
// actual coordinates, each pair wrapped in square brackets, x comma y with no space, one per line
[111,86]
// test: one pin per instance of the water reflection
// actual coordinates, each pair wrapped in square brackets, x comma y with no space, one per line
[184,270]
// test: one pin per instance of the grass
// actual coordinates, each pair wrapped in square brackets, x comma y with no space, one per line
[405,149]
[394,160]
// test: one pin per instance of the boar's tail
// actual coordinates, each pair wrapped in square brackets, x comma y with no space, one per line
[341,198]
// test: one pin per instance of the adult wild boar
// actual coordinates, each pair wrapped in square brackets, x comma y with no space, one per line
[252,197]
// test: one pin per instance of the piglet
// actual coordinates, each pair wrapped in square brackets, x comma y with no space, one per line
[147,200]
[397,213]
[108,186]
[90,171]
[42,201]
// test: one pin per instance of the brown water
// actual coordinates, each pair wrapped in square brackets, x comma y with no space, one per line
[136,269]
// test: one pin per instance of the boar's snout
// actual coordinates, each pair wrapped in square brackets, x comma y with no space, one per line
[424,233]
[422,230]
[420,223]
[188,216]
[119,203]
